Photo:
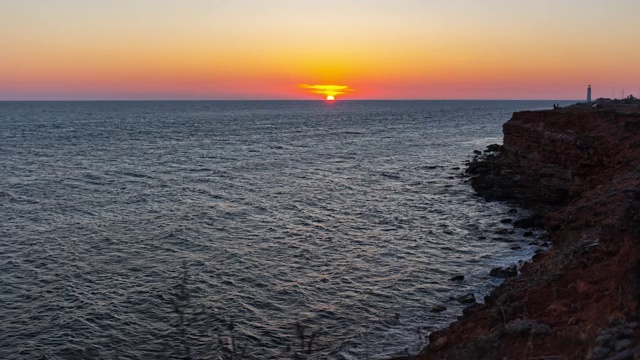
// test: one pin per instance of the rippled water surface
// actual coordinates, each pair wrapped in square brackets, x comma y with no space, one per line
[172,229]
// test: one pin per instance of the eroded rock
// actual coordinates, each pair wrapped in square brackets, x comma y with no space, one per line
[469,298]
[504,273]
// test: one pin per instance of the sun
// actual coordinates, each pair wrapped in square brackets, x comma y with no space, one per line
[329,92]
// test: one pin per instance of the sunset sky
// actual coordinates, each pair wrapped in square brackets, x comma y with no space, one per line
[277,49]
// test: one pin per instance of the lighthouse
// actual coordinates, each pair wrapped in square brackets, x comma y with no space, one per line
[589,94]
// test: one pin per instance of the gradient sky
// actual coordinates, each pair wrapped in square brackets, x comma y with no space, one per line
[254,49]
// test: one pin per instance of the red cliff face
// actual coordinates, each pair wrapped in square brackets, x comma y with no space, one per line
[579,300]
[570,151]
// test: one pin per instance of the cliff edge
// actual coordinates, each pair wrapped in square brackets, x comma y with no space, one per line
[578,169]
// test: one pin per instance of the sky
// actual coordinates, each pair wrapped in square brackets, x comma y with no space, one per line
[284,49]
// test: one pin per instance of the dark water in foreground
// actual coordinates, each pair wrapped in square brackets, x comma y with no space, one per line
[165,229]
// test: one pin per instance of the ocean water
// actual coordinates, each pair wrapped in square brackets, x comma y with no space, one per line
[245,230]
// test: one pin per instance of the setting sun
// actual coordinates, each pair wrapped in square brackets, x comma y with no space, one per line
[329,91]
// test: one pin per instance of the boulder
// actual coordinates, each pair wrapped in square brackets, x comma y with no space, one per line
[527,223]
[504,273]
[495,148]
[466,298]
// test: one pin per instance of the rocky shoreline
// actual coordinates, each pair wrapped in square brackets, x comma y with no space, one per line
[578,170]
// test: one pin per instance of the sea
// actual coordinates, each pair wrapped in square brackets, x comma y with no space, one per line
[244,229]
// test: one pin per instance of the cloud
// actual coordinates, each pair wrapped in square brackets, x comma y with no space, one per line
[326,90]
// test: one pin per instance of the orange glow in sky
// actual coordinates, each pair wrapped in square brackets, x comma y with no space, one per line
[253,49]
[328,91]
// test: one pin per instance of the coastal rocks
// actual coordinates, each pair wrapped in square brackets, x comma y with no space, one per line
[493,177]
[495,148]
[577,169]
[504,273]
[528,222]
[469,298]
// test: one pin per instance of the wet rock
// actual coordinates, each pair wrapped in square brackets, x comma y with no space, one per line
[477,152]
[504,273]
[477,167]
[466,298]
[527,223]
[457,278]
[495,148]
[438,308]
[506,221]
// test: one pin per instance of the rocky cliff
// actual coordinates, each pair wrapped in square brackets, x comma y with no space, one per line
[578,169]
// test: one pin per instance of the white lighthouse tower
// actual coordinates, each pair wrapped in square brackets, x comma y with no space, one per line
[589,94]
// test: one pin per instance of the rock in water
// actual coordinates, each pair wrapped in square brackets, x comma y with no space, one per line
[526,223]
[466,298]
[504,273]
